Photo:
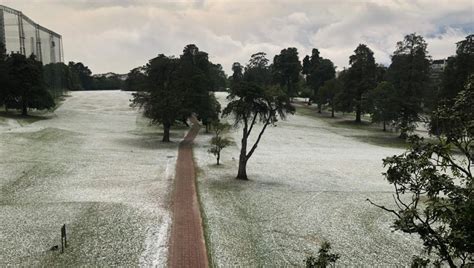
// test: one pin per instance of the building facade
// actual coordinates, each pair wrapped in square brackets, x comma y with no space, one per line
[21,34]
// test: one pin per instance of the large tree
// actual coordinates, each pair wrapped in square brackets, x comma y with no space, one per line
[162,101]
[286,70]
[136,79]
[27,88]
[361,77]
[409,74]
[383,104]
[433,184]
[330,93]
[317,70]
[253,103]
[177,88]
[458,69]
[81,76]
[218,77]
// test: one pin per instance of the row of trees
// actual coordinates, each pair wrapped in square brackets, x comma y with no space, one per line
[397,95]
[60,77]
[137,78]
[172,89]
[25,83]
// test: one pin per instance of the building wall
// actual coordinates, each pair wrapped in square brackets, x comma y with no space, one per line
[22,35]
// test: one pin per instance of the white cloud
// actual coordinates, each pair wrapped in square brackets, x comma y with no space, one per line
[117,35]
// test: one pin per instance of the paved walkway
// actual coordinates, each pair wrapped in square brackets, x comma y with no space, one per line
[187,246]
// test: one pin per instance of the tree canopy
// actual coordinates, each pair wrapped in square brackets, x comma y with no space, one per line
[360,78]
[286,70]
[175,88]
[26,86]
[409,75]
[252,102]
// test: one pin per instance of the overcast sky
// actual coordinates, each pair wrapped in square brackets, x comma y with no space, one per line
[118,35]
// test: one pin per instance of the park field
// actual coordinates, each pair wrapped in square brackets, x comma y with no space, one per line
[309,181]
[94,165]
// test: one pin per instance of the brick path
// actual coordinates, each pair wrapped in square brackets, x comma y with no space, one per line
[187,246]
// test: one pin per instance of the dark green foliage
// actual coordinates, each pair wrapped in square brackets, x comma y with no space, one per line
[109,81]
[458,69]
[218,77]
[26,86]
[409,75]
[210,111]
[286,70]
[329,93]
[81,78]
[434,185]
[324,259]
[359,79]
[162,100]
[250,103]
[383,104]
[176,88]
[136,80]
[58,78]
[218,142]
[318,70]
[257,70]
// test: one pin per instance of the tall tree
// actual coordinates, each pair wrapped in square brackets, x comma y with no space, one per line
[27,88]
[361,77]
[383,104]
[250,103]
[286,70]
[81,76]
[162,101]
[329,93]
[136,79]
[458,69]
[218,77]
[318,70]
[409,74]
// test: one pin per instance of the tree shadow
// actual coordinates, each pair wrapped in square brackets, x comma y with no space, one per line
[28,119]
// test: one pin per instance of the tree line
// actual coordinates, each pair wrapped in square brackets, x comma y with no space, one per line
[26,84]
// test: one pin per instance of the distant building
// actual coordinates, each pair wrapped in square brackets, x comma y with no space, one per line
[436,72]
[21,34]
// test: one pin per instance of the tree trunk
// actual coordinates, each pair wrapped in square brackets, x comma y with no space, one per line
[358,114]
[207,128]
[332,110]
[384,126]
[24,110]
[242,173]
[166,132]
[218,157]
[319,107]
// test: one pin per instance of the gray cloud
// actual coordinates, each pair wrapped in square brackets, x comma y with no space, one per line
[117,35]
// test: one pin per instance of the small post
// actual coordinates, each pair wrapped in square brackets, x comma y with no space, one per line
[63,238]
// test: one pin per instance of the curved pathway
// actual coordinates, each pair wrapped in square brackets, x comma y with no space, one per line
[187,246]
